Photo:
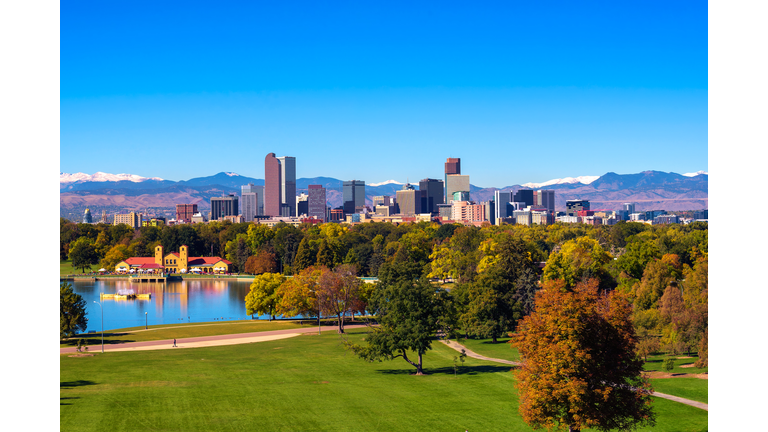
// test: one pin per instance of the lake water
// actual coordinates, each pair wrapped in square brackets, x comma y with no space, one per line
[171,303]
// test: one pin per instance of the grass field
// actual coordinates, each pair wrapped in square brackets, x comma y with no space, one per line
[689,388]
[501,349]
[178,331]
[303,383]
[655,363]
[65,268]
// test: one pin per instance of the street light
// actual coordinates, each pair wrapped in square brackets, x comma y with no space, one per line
[102,326]
[145,320]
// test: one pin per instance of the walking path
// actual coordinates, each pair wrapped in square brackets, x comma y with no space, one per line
[458,347]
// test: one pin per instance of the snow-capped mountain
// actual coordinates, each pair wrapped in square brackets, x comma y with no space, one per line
[696,173]
[102,177]
[567,180]
[388,182]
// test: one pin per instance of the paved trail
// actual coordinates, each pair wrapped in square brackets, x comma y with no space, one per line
[458,347]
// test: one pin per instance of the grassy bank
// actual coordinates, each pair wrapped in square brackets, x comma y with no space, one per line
[303,383]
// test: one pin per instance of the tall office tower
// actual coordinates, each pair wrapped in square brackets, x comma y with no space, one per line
[272,182]
[382,200]
[87,218]
[354,196]
[455,183]
[490,211]
[629,207]
[224,206]
[525,196]
[317,204]
[461,196]
[544,198]
[302,204]
[572,207]
[432,194]
[249,202]
[500,200]
[184,212]
[259,191]
[452,167]
[288,182]
[408,199]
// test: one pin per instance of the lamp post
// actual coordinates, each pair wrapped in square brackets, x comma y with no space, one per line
[102,326]
[146,320]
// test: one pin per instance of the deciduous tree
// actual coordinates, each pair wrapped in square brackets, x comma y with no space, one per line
[83,254]
[263,299]
[580,363]
[338,292]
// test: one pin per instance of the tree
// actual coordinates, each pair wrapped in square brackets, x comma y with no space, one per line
[115,255]
[338,292]
[409,314]
[72,315]
[263,262]
[580,363]
[238,251]
[578,259]
[298,295]
[305,256]
[83,254]
[263,299]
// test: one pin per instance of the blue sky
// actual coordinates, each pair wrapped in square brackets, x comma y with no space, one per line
[520,92]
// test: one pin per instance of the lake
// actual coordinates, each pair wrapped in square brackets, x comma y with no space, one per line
[171,303]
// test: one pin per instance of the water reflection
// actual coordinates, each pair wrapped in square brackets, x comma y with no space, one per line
[171,303]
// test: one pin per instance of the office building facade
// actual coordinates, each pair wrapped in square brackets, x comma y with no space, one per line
[184,212]
[432,194]
[288,182]
[452,167]
[131,219]
[455,183]
[249,201]
[224,206]
[272,181]
[544,198]
[500,200]
[353,195]
[408,200]
[572,207]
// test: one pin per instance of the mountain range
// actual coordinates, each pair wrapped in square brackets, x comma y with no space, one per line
[650,190]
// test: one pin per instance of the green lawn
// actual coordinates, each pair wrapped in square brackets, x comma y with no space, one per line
[689,388]
[178,331]
[303,383]
[65,268]
[655,363]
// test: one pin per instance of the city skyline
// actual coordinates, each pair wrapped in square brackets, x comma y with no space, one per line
[582,91]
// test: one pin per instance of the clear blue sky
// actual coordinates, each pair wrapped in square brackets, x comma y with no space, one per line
[520,91]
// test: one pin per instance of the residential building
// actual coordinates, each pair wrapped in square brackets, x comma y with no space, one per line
[224,206]
[131,219]
[467,211]
[316,204]
[184,212]
[353,195]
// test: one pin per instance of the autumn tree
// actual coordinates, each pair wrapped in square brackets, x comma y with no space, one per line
[72,315]
[263,298]
[578,259]
[409,314]
[338,292]
[115,255]
[298,295]
[263,262]
[580,363]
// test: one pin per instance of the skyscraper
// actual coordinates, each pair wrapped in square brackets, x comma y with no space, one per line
[545,198]
[432,194]
[500,200]
[249,202]
[354,196]
[452,166]
[184,212]
[316,202]
[288,182]
[408,200]
[272,182]
[224,206]
[455,183]
[524,196]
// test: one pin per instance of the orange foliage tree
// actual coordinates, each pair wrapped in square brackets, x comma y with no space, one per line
[580,367]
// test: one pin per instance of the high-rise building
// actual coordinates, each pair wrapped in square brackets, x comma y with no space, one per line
[432,194]
[184,212]
[288,182]
[629,207]
[452,166]
[248,202]
[353,196]
[500,200]
[466,211]
[544,198]
[455,183]
[224,206]
[272,182]
[408,200]
[317,205]
[87,218]
[524,196]
[302,204]
[131,219]
[255,208]
[572,207]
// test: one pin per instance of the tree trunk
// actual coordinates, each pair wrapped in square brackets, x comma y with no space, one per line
[341,323]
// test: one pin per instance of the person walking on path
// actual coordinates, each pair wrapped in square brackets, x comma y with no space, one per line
[174,342]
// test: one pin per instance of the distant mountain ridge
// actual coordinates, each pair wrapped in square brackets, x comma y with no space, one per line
[656,189]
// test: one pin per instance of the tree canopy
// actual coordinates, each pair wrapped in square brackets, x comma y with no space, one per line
[72,315]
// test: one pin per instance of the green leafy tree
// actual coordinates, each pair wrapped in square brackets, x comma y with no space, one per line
[580,364]
[325,256]
[72,315]
[115,255]
[238,252]
[263,297]
[306,255]
[579,259]
[298,295]
[409,314]
[83,254]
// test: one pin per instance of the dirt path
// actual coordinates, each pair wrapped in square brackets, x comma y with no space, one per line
[458,347]
[206,341]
